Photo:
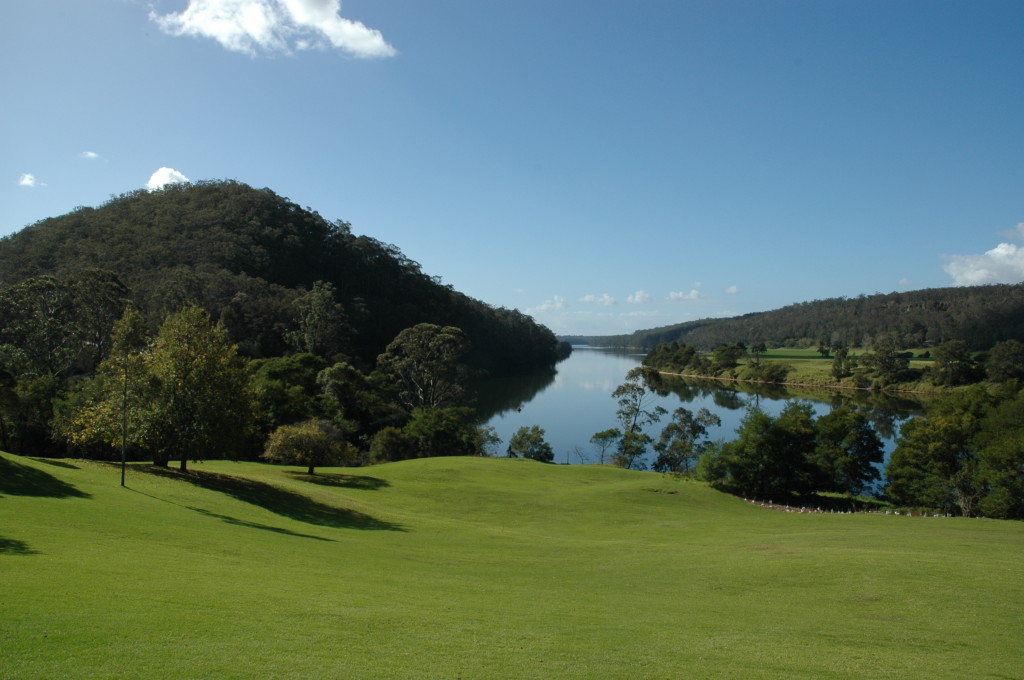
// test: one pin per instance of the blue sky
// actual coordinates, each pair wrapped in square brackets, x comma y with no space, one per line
[603,166]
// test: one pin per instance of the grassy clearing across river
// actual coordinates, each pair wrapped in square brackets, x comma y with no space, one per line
[482,568]
[809,368]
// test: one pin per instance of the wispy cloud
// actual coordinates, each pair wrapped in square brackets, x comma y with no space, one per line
[606,299]
[165,176]
[732,290]
[1002,264]
[89,155]
[694,294]
[638,297]
[27,180]
[252,26]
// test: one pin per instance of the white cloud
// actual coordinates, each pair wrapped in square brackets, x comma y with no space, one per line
[27,180]
[732,290]
[694,294]
[1002,264]
[250,26]
[89,155]
[554,304]
[638,297]
[165,176]
[606,299]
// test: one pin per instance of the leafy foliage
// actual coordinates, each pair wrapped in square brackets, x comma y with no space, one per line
[636,411]
[965,456]
[312,443]
[528,442]
[266,268]
[423,363]
[981,316]
[679,446]
[185,395]
[773,458]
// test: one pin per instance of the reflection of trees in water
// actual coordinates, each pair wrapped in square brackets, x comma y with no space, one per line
[729,395]
[886,411]
[500,395]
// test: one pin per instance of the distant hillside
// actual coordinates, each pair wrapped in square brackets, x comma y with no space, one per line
[246,254]
[978,315]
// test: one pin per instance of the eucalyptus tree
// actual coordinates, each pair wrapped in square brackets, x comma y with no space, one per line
[637,410]
[324,327]
[528,442]
[680,443]
[201,405]
[423,364]
[184,394]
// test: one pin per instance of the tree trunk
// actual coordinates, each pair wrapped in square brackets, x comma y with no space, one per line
[310,470]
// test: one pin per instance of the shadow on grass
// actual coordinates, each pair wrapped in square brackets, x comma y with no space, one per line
[21,480]
[277,500]
[57,463]
[338,479]
[255,525]
[10,546]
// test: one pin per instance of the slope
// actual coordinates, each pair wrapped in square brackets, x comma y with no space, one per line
[246,254]
[483,568]
[979,315]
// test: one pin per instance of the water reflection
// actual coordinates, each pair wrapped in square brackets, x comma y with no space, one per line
[573,401]
[508,393]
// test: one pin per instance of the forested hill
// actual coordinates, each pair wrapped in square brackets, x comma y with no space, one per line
[979,315]
[247,255]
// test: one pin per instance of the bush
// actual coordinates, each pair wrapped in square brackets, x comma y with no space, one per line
[390,444]
[312,443]
[528,442]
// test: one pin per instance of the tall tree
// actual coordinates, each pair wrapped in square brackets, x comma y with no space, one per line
[679,446]
[636,411]
[636,400]
[604,439]
[113,407]
[887,360]
[1005,361]
[423,363]
[847,452]
[931,465]
[202,405]
[324,327]
[953,364]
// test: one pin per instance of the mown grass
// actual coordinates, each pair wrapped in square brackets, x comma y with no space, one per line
[809,368]
[482,568]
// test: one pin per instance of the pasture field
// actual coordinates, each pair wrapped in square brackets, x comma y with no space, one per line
[482,568]
[808,367]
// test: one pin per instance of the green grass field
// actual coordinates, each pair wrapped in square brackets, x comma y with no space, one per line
[808,367]
[482,568]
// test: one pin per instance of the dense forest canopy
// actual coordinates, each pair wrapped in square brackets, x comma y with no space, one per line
[981,316]
[248,256]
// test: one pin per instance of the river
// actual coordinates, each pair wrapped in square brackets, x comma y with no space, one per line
[574,400]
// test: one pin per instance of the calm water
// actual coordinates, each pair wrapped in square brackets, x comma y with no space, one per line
[574,400]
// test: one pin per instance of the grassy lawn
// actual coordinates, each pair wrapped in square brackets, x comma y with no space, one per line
[810,368]
[482,568]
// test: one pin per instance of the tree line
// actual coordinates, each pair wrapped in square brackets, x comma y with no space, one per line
[185,393]
[965,456]
[980,316]
[951,364]
[248,256]
[308,307]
